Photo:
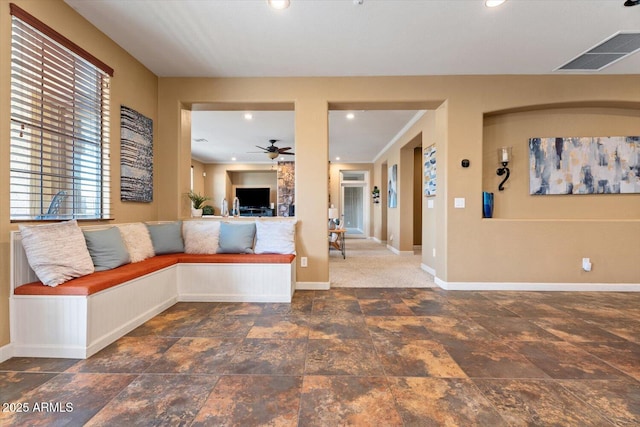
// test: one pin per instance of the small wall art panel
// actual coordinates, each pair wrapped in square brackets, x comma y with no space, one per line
[584,165]
[393,186]
[430,171]
[136,156]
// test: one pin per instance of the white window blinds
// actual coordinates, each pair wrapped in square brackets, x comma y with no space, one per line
[59,127]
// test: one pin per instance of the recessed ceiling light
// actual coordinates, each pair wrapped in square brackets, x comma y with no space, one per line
[233,159]
[493,3]
[279,4]
[337,158]
[350,116]
[248,116]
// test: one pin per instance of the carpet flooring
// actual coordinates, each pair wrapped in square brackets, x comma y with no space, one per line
[371,265]
[360,357]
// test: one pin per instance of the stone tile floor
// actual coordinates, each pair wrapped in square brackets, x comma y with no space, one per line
[379,357]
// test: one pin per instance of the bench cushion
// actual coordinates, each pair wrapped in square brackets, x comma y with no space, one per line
[101,280]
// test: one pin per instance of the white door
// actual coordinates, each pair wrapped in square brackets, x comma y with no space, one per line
[353,207]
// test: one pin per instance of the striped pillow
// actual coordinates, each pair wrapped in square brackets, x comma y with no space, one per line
[56,252]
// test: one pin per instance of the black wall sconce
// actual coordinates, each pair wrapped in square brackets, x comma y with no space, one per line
[504,156]
[375,194]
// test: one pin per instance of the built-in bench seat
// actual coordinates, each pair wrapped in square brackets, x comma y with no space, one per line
[78,318]
[101,280]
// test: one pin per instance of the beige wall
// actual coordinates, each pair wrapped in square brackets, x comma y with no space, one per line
[468,248]
[515,129]
[546,245]
[199,178]
[132,85]
[400,220]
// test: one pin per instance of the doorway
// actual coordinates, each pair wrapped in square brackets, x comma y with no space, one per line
[354,186]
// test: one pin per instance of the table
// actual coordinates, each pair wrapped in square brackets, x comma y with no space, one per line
[338,244]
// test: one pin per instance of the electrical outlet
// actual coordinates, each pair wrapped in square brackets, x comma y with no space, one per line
[303,261]
[586,264]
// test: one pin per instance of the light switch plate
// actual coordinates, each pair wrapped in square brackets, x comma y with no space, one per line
[459,202]
[430,204]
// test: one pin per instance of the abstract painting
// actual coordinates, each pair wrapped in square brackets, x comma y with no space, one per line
[393,186]
[136,156]
[430,171]
[584,165]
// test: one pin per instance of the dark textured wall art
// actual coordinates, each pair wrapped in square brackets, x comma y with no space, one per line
[584,165]
[136,156]
[286,188]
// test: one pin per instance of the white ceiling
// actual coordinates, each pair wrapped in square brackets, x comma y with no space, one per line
[246,38]
[229,135]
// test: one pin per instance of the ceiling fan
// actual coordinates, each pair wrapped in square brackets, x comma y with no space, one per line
[273,151]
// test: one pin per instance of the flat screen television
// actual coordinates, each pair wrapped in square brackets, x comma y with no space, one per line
[253,197]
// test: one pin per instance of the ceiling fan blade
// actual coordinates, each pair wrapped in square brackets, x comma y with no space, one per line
[288,154]
[281,150]
[262,148]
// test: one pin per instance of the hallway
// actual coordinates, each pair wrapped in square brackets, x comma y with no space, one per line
[369,264]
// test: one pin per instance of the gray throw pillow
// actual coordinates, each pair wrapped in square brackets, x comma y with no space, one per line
[106,248]
[166,238]
[236,238]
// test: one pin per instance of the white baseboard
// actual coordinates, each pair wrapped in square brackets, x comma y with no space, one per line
[398,252]
[527,286]
[6,352]
[375,239]
[235,298]
[313,286]
[428,269]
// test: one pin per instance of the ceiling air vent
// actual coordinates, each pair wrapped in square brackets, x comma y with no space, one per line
[611,50]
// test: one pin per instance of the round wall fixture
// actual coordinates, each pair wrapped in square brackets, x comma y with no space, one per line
[465,163]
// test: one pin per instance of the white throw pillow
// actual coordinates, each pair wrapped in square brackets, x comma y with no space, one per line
[275,237]
[200,237]
[137,240]
[56,252]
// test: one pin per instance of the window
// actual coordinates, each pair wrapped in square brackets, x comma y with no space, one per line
[59,126]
